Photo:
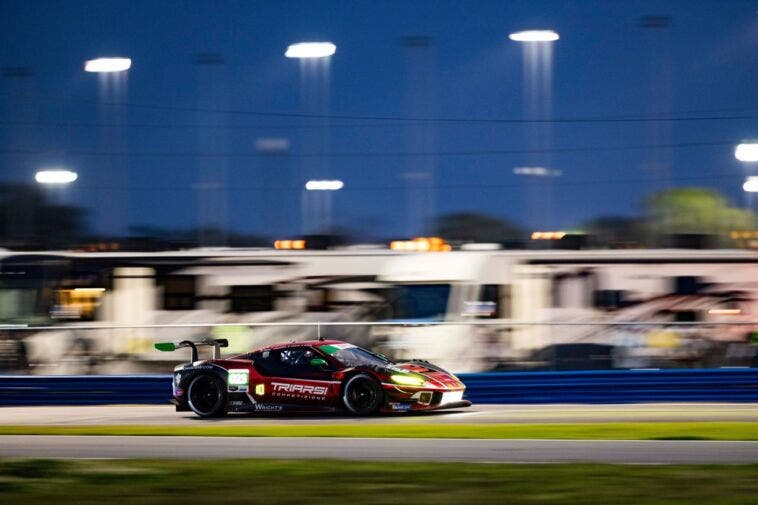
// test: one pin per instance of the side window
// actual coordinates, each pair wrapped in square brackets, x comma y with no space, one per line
[289,362]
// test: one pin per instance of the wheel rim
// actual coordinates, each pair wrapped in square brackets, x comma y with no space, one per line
[361,395]
[204,394]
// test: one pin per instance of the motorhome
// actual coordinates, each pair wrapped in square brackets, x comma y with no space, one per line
[527,304]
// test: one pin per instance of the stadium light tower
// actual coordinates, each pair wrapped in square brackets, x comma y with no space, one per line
[534,36]
[324,185]
[55,176]
[746,152]
[107,65]
[310,50]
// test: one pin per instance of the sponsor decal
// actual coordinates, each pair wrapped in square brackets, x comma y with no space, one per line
[199,367]
[400,406]
[300,391]
[259,407]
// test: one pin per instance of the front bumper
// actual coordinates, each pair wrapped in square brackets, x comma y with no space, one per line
[453,405]
[401,398]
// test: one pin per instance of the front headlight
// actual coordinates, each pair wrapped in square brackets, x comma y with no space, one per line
[408,380]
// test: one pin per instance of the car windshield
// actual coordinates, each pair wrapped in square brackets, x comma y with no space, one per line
[350,355]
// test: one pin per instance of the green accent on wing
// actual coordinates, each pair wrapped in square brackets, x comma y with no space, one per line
[165,346]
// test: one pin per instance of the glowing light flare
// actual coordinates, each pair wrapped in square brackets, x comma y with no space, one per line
[55,176]
[325,185]
[737,235]
[310,50]
[421,244]
[408,380]
[751,184]
[537,171]
[725,312]
[92,291]
[107,65]
[290,244]
[534,36]
[747,152]
[548,235]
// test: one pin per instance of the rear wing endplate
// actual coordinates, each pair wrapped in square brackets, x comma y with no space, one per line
[217,344]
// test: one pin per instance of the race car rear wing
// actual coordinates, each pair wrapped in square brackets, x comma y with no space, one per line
[217,344]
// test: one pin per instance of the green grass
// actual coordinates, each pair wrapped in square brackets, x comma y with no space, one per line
[588,431]
[274,482]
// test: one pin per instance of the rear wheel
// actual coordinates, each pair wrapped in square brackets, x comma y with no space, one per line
[362,395]
[207,396]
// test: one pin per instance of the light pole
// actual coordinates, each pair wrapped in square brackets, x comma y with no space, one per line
[276,202]
[747,152]
[537,60]
[420,99]
[55,179]
[112,73]
[324,188]
[315,60]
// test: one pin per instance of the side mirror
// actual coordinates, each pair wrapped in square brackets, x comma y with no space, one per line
[319,362]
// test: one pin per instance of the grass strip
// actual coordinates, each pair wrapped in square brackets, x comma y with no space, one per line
[585,431]
[282,482]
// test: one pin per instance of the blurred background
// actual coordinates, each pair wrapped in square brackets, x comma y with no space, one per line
[566,186]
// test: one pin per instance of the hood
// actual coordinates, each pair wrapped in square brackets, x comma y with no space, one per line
[436,376]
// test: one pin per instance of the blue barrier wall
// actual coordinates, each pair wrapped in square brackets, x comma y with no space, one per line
[613,386]
[84,389]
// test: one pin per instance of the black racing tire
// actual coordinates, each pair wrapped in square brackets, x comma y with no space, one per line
[207,396]
[362,395]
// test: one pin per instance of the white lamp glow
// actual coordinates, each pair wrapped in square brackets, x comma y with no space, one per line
[55,176]
[105,65]
[747,152]
[751,184]
[325,185]
[534,36]
[310,50]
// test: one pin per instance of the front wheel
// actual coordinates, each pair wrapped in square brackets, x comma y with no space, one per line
[362,395]
[207,396]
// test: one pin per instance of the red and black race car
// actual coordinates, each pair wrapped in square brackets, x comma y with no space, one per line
[317,375]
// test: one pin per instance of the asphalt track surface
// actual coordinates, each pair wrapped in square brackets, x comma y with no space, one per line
[477,414]
[450,450]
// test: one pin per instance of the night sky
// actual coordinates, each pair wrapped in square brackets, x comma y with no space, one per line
[183,151]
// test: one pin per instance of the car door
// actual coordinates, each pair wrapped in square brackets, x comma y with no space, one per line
[290,377]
